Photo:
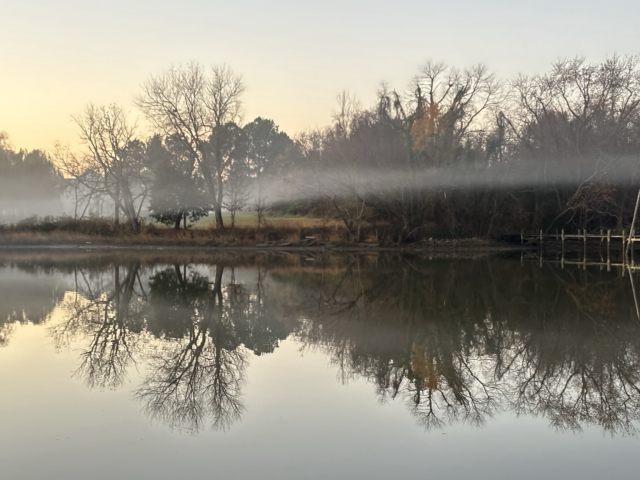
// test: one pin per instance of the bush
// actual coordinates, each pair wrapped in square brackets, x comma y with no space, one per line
[89,226]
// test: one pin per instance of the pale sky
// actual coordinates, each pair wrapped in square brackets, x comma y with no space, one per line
[295,57]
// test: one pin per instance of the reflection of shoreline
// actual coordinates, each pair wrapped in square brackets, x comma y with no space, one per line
[466,248]
[564,344]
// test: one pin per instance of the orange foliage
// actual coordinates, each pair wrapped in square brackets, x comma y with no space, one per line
[425,128]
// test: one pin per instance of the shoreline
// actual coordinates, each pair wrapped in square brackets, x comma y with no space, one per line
[451,246]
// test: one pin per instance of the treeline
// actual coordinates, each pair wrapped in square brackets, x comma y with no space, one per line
[28,182]
[459,153]
[171,180]
[468,154]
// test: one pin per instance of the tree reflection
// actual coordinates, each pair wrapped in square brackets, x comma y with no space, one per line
[197,376]
[25,298]
[558,343]
[111,316]
[193,335]
[538,342]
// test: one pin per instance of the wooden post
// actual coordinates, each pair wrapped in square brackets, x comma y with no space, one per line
[562,236]
[624,251]
[522,236]
[632,230]
[608,250]
[635,297]
[541,237]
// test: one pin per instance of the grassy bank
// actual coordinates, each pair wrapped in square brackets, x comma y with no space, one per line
[250,219]
[280,232]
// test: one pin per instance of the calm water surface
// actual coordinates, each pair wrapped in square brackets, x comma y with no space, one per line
[292,367]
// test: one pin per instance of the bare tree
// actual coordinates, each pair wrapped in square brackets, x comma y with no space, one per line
[115,157]
[576,120]
[82,184]
[195,107]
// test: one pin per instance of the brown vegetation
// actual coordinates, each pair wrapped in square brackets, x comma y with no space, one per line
[283,235]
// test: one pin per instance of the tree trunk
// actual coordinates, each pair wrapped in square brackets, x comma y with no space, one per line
[219,197]
[219,186]
[176,224]
[218,212]
[135,224]
[117,202]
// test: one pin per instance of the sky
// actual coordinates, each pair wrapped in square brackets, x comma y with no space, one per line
[295,57]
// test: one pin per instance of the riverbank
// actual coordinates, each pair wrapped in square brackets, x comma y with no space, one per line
[103,234]
[83,243]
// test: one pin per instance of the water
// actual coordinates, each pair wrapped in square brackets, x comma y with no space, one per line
[268,366]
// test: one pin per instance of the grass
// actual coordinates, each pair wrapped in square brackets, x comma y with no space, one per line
[280,231]
[66,231]
[249,219]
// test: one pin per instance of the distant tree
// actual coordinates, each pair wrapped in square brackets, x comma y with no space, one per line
[265,143]
[237,196]
[442,123]
[117,158]
[83,185]
[578,123]
[29,182]
[176,194]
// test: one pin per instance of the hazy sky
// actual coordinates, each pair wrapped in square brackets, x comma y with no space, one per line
[58,55]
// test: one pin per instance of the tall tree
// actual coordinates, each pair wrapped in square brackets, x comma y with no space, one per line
[265,143]
[117,157]
[194,106]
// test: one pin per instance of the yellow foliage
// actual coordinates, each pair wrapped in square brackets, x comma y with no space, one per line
[425,128]
[423,366]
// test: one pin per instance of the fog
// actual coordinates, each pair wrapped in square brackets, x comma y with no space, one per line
[338,182]
[316,184]
[458,149]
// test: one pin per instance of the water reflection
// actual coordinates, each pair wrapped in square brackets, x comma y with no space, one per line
[456,340]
